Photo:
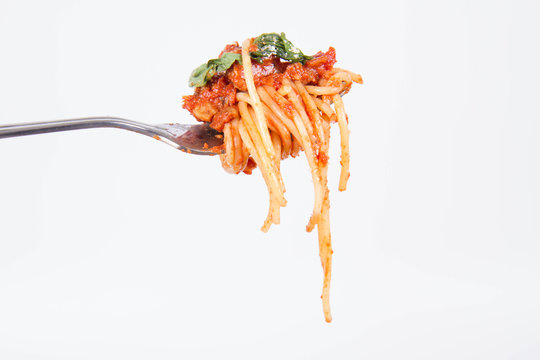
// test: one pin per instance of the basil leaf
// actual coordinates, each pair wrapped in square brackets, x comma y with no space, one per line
[198,76]
[225,61]
[277,44]
[201,75]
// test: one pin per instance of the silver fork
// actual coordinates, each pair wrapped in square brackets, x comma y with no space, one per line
[197,139]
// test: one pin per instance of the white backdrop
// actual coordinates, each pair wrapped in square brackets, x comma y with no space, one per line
[115,246]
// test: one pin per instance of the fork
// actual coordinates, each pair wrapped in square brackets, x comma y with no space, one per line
[197,139]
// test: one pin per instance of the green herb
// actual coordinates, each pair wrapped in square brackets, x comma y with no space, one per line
[201,75]
[277,44]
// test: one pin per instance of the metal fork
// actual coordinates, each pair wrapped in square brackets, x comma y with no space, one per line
[197,139]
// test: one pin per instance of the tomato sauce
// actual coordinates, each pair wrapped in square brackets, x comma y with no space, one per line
[212,102]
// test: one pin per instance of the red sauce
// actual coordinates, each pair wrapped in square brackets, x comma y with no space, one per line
[212,102]
[224,116]
[251,164]
[208,100]
[323,157]
[323,62]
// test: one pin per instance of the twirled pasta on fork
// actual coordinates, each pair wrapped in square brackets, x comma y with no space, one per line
[271,101]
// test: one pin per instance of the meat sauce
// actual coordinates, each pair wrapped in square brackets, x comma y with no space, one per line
[214,102]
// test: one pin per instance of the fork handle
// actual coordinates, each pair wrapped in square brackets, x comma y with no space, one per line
[13,130]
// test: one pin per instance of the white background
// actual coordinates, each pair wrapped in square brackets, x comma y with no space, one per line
[115,246]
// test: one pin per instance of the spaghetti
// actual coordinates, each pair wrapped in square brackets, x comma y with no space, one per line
[271,101]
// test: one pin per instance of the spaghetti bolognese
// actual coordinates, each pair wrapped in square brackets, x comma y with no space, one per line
[271,101]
